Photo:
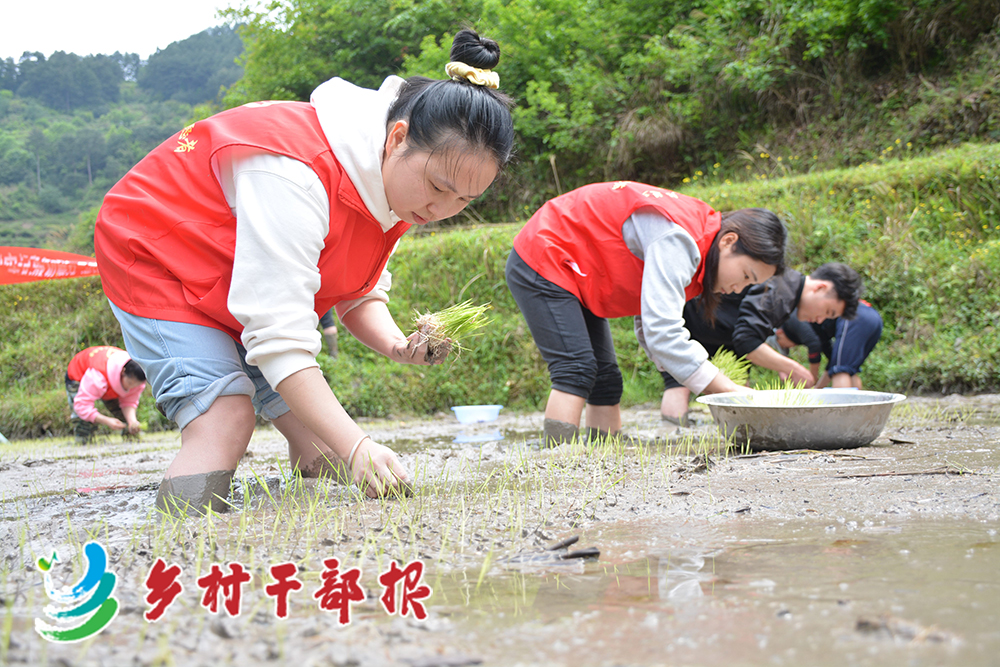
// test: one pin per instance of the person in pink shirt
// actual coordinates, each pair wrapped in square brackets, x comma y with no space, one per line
[107,374]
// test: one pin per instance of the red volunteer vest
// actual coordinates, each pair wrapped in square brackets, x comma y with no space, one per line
[165,237]
[96,358]
[575,241]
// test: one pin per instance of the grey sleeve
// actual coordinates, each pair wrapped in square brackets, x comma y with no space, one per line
[671,260]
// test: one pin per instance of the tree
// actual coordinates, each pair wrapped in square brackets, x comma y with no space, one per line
[66,81]
[109,74]
[291,51]
[130,64]
[38,144]
[193,70]
[8,75]
[16,165]
[61,82]
[82,152]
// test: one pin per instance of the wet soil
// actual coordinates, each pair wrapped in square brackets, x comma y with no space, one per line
[886,554]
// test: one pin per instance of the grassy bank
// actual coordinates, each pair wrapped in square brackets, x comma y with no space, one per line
[925,233]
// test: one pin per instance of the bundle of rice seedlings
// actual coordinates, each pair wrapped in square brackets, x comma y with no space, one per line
[735,368]
[447,329]
[783,394]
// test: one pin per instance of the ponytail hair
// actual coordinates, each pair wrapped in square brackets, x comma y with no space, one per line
[760,235]
[444,113]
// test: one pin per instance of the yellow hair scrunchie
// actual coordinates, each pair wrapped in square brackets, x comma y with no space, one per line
[480,77]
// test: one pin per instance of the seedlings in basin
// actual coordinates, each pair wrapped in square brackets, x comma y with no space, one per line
[783,394]
[447,329]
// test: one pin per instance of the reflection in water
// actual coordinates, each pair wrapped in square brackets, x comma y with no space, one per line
[681,575]
[446,438]
[777,593]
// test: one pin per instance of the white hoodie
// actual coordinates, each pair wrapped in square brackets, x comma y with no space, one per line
[282,218]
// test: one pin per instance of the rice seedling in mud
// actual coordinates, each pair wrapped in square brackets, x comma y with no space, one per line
[481,519]
[914,414]
[7,624]
[448,329]
[472,509]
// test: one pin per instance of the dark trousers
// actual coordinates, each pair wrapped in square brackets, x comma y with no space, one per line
[854,341]
[575,343]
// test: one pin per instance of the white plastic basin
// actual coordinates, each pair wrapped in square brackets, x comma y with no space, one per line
[471,414]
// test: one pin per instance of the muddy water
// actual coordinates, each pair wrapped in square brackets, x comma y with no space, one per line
[887,554]
[785,593]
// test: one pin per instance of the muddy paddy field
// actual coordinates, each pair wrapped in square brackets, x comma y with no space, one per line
[884,555]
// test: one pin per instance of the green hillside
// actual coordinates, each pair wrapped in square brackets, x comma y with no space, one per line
[71,126]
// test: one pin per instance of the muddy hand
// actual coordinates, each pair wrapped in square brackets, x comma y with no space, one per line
[411,350]
[418,349]
[801,375]
[438,351]
[377,470]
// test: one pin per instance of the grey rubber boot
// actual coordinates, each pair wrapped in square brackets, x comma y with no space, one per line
[597,435]
[556,432]
[192,494]
[601,437]
[83,431]
[682,421]
[331,344]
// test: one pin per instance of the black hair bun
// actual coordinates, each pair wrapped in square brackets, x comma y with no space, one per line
[469,48]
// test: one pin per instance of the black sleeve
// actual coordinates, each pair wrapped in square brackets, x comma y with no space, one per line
[826,332]
[805,333]
[719,334]
[765,308]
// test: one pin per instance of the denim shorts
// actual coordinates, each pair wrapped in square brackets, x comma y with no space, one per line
[188,366]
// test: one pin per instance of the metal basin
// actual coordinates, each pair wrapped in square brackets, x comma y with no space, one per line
[816,419]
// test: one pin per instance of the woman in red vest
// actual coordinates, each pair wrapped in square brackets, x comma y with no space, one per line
[221,249]
[107,374]
[627,249]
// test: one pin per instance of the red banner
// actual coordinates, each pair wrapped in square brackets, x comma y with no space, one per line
[22,265]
